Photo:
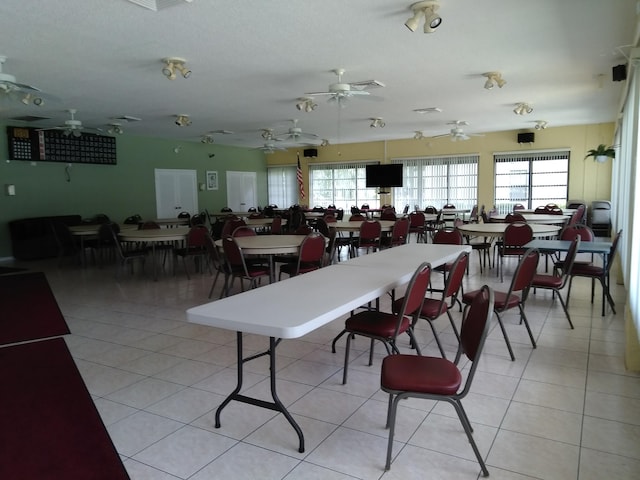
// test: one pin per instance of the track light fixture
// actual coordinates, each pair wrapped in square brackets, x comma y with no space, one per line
[267,133]
[377,122]
[183,120]
[418,135]
[175,63]
[208,139]
[523,109]
[541,124]
[306,104]
[28,98]
[493,78]
[115,128]
[427,10]
[324,143]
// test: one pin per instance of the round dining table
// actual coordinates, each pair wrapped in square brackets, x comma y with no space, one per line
[497,229]
[91,231]
[154,236]
[537,218]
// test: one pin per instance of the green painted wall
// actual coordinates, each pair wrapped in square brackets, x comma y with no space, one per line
[117,190]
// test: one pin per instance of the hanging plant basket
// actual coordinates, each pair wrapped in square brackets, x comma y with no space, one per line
[602,153]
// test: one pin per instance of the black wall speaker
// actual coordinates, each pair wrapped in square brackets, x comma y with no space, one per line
[527,137]
[310,152]
[619,73]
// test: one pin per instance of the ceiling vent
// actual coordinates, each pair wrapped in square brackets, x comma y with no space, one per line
[156,5]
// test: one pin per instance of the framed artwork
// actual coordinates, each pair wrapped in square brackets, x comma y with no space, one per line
[212,180]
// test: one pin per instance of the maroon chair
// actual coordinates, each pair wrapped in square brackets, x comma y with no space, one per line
[434,308]
[447,236]
[399,234]
[569,233]
[216,260]
[244,231]
[557,282]
[357,217]
[514,217]
[276,225]
[404,376]
[231,224]
[311,257]
[600,273]
[578,216]
[516,296]
[384,326]
[518,206]
[195,247]
[516,235]
[237,267]
[416,225]
[368,238]
[388,214]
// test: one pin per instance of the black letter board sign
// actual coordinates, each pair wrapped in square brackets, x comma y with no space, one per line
[32,144]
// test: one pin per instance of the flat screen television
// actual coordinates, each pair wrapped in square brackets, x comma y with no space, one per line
[388,175]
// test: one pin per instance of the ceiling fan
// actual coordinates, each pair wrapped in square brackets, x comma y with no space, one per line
[457,132]
[294,133]
[269,148]
[341,91]
[71,126]
[9,86]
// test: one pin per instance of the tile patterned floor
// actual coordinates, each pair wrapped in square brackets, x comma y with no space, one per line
[566,410]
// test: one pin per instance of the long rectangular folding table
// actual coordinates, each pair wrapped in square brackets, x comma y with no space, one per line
[352,283]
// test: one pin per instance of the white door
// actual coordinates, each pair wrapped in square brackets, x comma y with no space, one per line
[176,192]
[241,190]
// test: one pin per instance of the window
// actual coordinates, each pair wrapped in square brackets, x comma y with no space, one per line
[437,181]
[282,186]
[532,179]
[341,184]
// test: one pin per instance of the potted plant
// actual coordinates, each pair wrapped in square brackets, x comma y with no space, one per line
[602,153]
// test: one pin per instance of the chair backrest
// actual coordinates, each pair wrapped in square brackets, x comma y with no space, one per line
[614,248]
[233,253]
[312,249]
[225,209]
[184,215]
[388,214]
[322,226]
[447,236]
[276,225]
[567,263]
[328,218]
[415,293]
[149,225]
[514,217]
[431,209]
[524,273]
[231,224]
[473,216]
[133,220]
[517,234]
[354,210]
[405,210]
[357,217]
[212,250]
[583,231]
[244,231]
[365,206]
[577,216]
[318,208]
[196,236]
[450,206]
[198,219]
[105,233]
[400,231]
[370,230]
[474,329]
[518,206]
[416,219]
[456,275]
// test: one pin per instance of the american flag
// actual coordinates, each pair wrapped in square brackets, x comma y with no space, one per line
[299,177]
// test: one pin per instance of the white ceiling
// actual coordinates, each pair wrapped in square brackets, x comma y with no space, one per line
[251,60]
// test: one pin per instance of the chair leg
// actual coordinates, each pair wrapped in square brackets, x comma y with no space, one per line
[435,335]
[564,307]
[337,337]
[523,317]
[391,423]
[469,431]
[453,325]
[346,359]
[506,337]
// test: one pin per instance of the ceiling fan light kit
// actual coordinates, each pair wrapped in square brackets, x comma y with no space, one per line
[173,64]
[523,108]
[115,128]
[183,120]
[377,122]
[427,10]
[306,105]
[541,124]
[493,79]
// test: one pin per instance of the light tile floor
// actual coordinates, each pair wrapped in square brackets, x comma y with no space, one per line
[566,410]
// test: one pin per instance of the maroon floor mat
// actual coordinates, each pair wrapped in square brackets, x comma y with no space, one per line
[28,309]
[50,426]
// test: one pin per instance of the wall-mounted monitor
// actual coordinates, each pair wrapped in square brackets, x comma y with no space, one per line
[385,176]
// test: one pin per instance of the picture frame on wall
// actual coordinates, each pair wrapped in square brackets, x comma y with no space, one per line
[212,180]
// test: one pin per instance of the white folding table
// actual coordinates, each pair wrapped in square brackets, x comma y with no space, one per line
[353,283]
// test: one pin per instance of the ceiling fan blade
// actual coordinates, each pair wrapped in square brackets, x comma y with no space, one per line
[319,93]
